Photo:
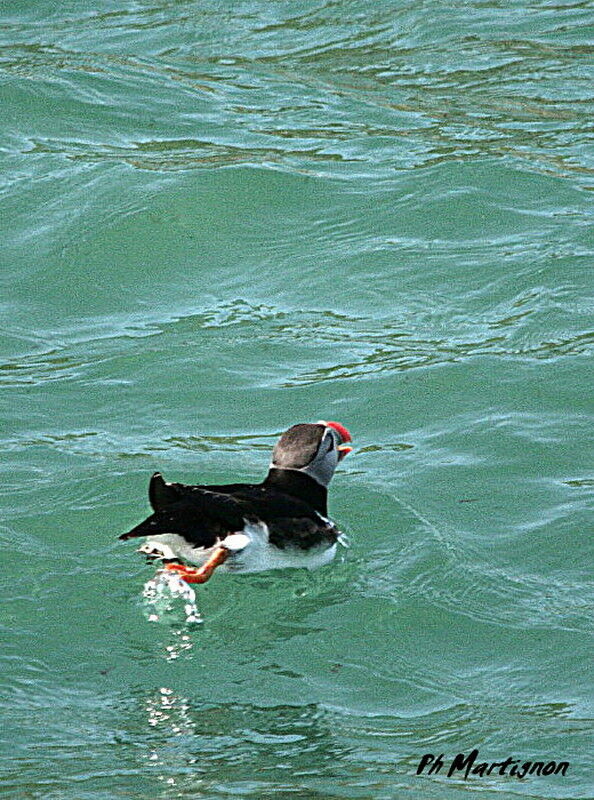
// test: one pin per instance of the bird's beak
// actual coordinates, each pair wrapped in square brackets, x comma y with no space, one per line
[343,449]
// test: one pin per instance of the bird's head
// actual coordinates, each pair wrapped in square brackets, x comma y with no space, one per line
[314,449]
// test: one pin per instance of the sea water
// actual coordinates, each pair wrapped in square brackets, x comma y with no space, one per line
[219,219]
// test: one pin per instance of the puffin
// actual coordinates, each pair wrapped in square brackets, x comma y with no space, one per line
[250,527]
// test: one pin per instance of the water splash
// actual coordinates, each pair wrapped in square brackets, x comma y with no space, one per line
[161,595]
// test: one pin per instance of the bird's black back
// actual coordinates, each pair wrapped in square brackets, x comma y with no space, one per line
[205,514]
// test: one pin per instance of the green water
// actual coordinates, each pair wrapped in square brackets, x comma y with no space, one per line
[219,219]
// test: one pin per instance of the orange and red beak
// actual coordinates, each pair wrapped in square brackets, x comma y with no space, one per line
[343,449]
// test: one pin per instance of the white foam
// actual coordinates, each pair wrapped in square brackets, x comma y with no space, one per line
[162,592]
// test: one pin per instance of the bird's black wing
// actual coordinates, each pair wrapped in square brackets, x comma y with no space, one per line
[205,514]
[200,515]
[163,494]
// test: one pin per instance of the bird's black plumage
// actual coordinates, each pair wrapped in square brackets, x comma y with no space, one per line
[291,504]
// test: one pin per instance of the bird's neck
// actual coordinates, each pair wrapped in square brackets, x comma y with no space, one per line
[300,485]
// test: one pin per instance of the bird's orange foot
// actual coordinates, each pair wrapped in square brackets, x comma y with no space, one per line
[188,574]
[203,573]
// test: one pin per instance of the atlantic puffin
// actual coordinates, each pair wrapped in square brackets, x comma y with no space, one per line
[245,527]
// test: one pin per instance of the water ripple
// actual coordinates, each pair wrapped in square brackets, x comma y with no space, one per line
[291,91]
